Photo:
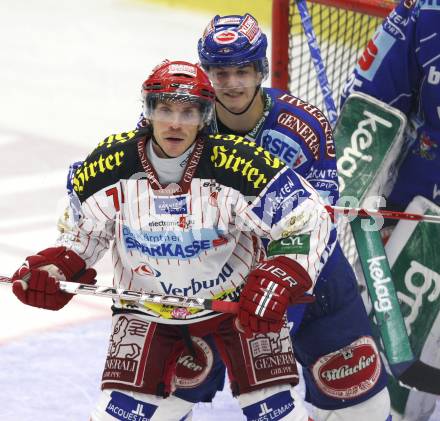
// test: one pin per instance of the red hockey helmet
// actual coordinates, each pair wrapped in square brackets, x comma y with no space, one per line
[179,81]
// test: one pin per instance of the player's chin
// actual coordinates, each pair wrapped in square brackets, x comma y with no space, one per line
[237,107]
[174,147]
[236,103]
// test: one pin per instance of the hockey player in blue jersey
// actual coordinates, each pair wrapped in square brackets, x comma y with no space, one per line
[401,67]
[332,336]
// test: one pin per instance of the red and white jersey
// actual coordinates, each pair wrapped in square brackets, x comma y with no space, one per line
[202,236]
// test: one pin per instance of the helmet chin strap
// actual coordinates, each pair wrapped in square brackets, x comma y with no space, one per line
[257,88]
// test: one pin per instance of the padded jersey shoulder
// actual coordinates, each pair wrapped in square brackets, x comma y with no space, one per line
[115,158]
[238,163]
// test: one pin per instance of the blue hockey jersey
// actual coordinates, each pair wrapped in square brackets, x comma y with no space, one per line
[300,135]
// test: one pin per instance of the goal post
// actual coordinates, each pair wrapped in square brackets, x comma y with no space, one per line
[342,29]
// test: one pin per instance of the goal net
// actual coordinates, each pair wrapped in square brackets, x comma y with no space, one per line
[342,29]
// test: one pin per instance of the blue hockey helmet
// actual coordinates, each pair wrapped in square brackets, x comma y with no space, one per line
[233,40]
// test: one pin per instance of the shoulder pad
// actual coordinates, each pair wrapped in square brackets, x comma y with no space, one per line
[114,158]
[241,164]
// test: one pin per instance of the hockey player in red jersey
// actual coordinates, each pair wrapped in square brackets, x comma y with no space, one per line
[184,214]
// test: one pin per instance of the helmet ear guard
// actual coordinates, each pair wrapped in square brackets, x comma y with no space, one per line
[179,82]
[233,40]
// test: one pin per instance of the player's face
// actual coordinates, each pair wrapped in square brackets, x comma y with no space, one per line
[175,126]
[235,86]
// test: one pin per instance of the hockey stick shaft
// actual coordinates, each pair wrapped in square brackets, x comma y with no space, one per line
[142,297]
[388,214]
[318,62]
[403,364]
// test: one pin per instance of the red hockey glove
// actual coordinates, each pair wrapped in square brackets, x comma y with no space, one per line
[41,288]
[269,290]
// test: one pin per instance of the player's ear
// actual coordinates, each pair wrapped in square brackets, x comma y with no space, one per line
[260,77]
